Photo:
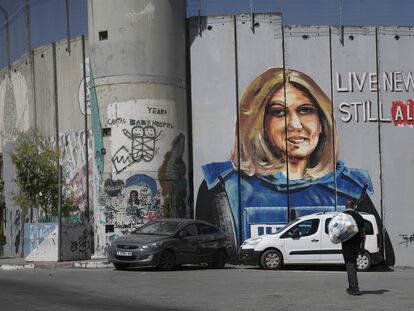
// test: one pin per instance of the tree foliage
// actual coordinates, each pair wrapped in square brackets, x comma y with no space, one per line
[37,170]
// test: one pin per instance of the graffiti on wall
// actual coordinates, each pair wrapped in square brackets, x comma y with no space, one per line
[14,104]
[17,226]
[141,131]
[73,160]
[406,239]
[81,90]
[400,113]
[286,129]
[145,138]
[172,180]
[130,204]
[79,241]
[39,240]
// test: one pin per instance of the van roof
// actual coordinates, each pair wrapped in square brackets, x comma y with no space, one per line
[333,213]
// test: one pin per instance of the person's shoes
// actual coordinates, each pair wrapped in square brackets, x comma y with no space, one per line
[353,291]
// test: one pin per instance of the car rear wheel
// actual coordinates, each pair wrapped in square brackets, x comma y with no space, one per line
[271,260]
[219,260]
[120,266]
[167,261]
[364,262]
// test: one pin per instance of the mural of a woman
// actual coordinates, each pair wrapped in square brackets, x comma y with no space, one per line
[284,161]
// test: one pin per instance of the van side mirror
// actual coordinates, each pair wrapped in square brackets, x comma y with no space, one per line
[183,234]
[294,234]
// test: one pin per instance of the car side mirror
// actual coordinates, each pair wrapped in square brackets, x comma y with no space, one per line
[183,234]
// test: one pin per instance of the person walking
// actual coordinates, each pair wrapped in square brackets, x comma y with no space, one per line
[352,247]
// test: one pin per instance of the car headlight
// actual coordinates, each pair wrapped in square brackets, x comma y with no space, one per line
[151,245]
[252,241]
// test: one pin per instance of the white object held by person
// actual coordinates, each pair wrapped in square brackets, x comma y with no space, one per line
[342,227]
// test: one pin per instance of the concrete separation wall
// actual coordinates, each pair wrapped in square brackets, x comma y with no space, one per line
[361,80]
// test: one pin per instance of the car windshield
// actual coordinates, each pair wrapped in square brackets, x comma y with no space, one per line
[159,228]
[287,225]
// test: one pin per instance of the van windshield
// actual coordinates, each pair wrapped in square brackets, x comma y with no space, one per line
[287,225]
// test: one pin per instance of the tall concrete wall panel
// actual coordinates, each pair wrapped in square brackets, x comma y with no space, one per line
[16,98]
[252,58]
[14,215]
[45,90]
[315,62]
[16,114]
[355,104]
[213,91]
[396,64]
[69,85]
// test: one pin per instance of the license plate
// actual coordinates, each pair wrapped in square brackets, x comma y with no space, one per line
[121,253]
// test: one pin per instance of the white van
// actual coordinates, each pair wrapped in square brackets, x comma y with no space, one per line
[306,241]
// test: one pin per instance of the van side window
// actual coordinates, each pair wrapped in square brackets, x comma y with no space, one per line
[369,230]
[304,228]
[327,221]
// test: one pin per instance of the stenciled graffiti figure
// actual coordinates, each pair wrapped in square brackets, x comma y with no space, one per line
[143,142]
[134,208]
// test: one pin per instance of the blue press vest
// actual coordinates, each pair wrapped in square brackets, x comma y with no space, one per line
[264,199]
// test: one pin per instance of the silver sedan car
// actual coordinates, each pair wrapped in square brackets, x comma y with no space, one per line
[167,243]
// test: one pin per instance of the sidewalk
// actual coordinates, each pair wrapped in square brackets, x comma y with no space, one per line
[19,263]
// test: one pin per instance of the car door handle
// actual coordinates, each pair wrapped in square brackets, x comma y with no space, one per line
[314,240]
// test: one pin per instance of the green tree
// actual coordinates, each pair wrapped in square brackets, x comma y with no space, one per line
[37,169]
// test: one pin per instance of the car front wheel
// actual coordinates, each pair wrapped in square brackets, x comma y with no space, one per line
[167,261]
[364,261]
[271,260]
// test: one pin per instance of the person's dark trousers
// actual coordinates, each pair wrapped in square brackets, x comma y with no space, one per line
[350,253]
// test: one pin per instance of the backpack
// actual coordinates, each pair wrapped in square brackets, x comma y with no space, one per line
[342,227]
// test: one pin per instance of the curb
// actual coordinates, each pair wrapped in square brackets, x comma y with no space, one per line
[11,267]
[92,265]
[56,265]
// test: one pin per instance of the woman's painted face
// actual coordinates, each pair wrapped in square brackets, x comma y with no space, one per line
[301,117]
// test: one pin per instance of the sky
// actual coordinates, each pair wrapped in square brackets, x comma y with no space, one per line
[315,12]
[48,17]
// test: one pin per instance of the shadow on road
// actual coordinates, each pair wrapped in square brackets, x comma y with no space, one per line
[374,292]
[242,267]
[319,268]
[177,268]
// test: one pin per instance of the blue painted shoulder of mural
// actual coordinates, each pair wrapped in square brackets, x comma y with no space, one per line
[349,181]
[216,171]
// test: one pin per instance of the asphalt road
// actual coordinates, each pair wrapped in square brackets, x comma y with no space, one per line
[195,288]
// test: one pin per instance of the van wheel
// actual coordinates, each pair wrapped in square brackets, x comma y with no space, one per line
[271,260]
[364,261]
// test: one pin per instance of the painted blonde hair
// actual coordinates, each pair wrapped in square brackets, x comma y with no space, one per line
[257,155]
